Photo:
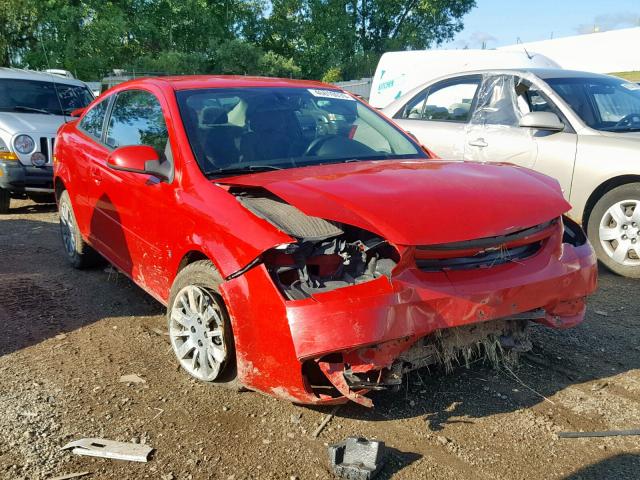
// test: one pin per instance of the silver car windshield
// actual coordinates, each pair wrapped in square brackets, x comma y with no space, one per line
[242,130]
[34,96]
[603,103]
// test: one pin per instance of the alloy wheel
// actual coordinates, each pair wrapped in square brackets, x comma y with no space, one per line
[196,330]
[68,229]
[619,232]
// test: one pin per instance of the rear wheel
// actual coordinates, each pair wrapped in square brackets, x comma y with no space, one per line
[614,230]
[5,200]
[78,252]
[199,327]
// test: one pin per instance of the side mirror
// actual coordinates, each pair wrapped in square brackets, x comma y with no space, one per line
[139,159]
[77,112]
[542,121]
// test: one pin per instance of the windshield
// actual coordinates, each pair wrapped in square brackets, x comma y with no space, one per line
[604,103]
[233,131]
[34,96]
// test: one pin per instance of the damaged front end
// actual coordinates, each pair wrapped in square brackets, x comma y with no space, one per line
[361,312]
[383,366]
[326,256]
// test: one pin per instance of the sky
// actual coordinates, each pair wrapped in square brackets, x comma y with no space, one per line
[503,22]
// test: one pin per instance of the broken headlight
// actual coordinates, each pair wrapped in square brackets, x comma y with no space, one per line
[326,255]
[573,233]
[303,269]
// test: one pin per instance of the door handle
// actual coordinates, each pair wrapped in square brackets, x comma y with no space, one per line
[478,142]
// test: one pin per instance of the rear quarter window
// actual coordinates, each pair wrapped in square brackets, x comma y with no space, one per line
[93,120]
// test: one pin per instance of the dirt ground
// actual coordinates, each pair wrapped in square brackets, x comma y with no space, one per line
[68,336]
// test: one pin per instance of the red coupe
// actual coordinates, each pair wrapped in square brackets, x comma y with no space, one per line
[304,245]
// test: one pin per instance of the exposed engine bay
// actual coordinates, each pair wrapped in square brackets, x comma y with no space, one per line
[327,256]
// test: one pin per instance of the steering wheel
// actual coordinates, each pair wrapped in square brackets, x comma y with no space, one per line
[628,120]
[315,145]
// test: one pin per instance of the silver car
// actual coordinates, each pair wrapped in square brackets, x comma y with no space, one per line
[581,128]
[32,107]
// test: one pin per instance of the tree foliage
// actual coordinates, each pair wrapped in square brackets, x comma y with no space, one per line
[290,38]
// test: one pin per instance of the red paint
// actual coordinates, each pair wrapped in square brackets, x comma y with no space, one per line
[418,202]
[148,227]
[132,158]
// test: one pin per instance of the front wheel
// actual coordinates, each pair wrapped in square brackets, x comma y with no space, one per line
[199,327]
[614,230]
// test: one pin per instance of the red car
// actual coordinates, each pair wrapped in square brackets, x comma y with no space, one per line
[306,247]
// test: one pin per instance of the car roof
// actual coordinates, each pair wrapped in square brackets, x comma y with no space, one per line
[191,82]
[20,74]
[543,73]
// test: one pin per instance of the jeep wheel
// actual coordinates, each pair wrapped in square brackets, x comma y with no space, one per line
[79,253]
[5,200]
[614,230]
[199,327]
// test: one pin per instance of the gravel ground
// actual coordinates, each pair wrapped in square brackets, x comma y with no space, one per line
[68,336]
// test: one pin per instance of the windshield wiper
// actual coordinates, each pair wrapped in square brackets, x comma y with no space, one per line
[241,170]
[31,109]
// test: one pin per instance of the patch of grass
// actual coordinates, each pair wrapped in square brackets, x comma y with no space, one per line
[631,76]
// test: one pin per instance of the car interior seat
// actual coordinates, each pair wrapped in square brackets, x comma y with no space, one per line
[220,140]
[272,134]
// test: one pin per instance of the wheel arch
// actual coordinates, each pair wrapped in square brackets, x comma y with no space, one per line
[58,187]
[601,190]
[190,257]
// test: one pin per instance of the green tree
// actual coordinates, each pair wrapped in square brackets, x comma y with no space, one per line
[352,34]
[333,75]
[17,21]
[236,57]
[294,38]
[274,65]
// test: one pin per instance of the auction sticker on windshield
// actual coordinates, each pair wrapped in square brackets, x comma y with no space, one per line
[330,94]
[630,86]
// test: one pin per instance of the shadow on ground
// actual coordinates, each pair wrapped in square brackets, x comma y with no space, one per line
[34,208]
[43,296]
[619,467]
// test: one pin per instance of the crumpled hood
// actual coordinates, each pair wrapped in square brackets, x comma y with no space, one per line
[36,123]
[418,202]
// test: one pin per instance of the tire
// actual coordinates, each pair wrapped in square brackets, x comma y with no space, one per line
[613,230]
[203,346]
[5,200]
[78,252]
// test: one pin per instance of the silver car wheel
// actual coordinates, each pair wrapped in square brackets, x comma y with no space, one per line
[619,232]
[196,330]
[68,228]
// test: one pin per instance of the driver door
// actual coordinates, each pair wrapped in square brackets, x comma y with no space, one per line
[130,218]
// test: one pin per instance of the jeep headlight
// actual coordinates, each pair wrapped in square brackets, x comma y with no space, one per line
[24,144]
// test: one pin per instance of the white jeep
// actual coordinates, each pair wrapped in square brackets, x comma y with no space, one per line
[32,107]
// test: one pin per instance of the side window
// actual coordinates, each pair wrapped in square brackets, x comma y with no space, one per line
[413,109]
[94,118]
[530,99]
[136,119]
[448,101]
[497,102]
